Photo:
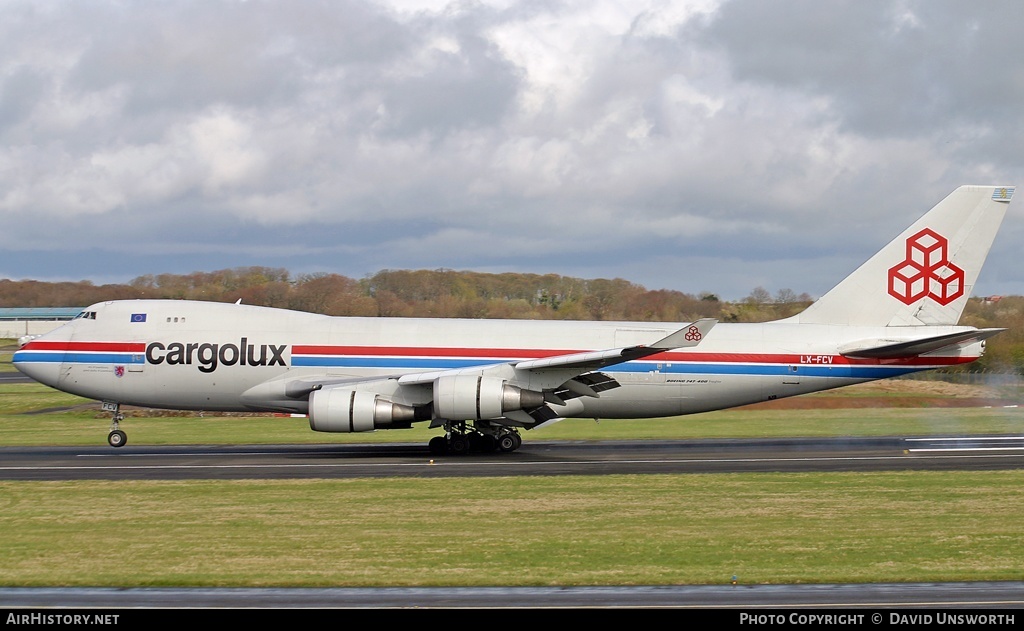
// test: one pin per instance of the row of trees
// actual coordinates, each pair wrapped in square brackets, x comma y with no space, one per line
[426,293]
[452,294]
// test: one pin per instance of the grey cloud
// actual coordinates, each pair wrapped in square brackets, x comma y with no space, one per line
[348,137]
[19,92]
[890,68]
[192,54]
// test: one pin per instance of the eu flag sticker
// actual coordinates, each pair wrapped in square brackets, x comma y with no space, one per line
[138,317]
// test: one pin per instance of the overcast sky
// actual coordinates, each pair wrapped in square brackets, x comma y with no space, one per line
[699,146]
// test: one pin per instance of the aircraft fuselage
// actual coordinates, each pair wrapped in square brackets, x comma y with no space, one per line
[207,356]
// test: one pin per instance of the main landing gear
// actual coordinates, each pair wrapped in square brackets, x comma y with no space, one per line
[116,437]
[459,439]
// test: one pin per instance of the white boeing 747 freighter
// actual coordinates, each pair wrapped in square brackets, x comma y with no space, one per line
[482,381]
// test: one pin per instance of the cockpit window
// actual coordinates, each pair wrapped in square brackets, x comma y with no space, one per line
[87,315]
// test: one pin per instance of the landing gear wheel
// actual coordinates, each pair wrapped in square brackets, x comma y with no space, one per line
[117,438]
[509,442]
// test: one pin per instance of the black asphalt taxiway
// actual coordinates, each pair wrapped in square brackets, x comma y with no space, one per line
[533,458]
[790,603]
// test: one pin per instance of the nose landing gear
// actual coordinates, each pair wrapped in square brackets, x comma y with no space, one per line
[116,437]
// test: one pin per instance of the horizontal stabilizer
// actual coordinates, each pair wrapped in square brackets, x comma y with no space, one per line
[891,349]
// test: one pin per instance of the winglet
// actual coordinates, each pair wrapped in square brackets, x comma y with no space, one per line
[687,336]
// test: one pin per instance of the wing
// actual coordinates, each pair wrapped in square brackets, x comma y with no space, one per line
[579,363]
[516,391]
[560,377]
[685,337]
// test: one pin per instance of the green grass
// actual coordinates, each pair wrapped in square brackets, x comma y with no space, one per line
[85,424]
[7,348]
[919,526]
[602,530]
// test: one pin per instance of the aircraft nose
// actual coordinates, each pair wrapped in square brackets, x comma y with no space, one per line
[43,367]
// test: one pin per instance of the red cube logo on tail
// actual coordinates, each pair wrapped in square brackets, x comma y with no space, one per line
[926,271]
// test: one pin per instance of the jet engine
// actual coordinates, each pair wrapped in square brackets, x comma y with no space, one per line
[340,410]
[466,397]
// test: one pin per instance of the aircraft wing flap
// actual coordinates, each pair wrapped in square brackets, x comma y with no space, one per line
[533,418]
[880,349]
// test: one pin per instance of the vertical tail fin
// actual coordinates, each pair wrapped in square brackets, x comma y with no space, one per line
[925,275]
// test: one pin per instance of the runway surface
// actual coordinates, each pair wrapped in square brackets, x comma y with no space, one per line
[533,458]
[14,377]
[866,599]
[550,458]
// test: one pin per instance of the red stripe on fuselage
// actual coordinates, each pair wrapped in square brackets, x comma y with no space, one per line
[804,360]
[101,347]
[511,354]
[424,351]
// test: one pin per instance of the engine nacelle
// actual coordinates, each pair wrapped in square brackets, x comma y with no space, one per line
[339,410]
[463,397]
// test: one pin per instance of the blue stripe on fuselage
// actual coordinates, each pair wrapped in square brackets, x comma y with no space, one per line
[804,370]
[44,357]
